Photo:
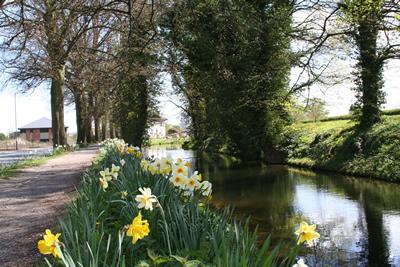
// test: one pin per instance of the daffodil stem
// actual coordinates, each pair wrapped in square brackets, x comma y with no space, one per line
[166,228]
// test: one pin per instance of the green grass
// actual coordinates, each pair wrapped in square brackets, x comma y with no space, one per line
[167,141]
[338,146]
[185,232]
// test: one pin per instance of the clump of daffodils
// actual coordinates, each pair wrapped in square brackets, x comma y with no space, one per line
[306,233]
[138,229]
[179,175]
[106,176]
[48,245]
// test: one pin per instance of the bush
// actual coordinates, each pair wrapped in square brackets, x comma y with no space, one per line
[2,137]
[184,229]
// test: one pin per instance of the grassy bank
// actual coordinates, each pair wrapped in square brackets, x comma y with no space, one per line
[335,145]
[135,212]
[167,141]
[9,170]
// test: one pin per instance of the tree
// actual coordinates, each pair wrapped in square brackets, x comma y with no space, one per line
[2,137]
[315,109]
[39,37]
[230,61]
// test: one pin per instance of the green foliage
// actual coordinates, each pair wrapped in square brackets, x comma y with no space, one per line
[192,234]
[339,146]
[2,137]
[230,62]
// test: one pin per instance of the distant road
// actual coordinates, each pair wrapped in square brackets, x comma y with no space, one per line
[9,157]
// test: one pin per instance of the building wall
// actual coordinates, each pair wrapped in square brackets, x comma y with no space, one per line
[35,135]
[157,131]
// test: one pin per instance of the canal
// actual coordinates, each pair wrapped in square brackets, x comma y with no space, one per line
[358,218]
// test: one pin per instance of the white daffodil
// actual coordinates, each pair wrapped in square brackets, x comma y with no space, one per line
[206,188]
[179,170]
[146,199]
[178,180]
[191,184]
[300,263]
[114,171]
[122,162]
[106,174]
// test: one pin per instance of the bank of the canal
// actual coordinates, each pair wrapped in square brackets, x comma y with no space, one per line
[336,146]
[358,218]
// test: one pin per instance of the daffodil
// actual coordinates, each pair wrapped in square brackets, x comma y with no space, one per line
[180,169]
[139,154]
[106,174]
[131,150]
[306,233]
[191,183]
[48,244]
[103,183]
[138,229]
[144,164]
[153,168]
[122,162]
[124,194]
[178,180]
[146,199]
[167,160]
[206,188]
[300,263]
[114,171]
[187,164]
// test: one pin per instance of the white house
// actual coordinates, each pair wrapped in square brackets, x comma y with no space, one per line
[157,130]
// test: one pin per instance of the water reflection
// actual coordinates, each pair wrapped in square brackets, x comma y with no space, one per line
[358,219]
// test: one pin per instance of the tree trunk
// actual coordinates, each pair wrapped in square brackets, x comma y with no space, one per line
[370,73]
[96,129]
[57,107]
[104,128]
[112,133]
[80,126]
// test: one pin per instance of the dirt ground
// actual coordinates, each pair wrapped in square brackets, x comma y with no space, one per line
[34,200]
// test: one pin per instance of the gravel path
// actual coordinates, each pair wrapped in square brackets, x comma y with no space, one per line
[34,200]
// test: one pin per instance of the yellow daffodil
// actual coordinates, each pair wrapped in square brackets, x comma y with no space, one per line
[306,233]
[106,174]
[153,168]
[48,244]
[114,171]
[144,164]
[121,148]
[146,199]
[103,183]
[187,164]
[131,150]
[178,180]
[206,188]
[138,229]
[124,194]
[139,154]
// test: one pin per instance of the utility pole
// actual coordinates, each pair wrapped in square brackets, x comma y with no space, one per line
[16,127]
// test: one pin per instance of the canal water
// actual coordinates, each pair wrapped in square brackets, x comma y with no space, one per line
[358,219]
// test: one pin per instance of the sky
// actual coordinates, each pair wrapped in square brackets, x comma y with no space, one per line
[35,104]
